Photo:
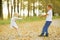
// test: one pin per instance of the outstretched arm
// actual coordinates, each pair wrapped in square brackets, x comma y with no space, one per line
[44,15]
[18,18]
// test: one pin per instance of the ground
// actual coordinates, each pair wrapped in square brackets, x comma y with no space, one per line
[30,31]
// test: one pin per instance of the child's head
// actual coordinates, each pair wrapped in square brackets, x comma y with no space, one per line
[16,14]
[49,7]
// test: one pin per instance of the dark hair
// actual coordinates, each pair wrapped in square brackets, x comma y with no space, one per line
[50,6]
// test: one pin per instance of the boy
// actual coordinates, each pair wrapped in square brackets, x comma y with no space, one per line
[13,22]
[48,21]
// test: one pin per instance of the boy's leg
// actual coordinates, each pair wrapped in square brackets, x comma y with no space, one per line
[48,24]
[44,29]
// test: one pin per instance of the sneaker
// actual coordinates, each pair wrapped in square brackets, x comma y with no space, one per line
[46,35]
[41,35]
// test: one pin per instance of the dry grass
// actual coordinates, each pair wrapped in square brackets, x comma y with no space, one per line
[29,31]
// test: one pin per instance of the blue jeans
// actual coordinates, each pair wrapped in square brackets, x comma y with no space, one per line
[46,26]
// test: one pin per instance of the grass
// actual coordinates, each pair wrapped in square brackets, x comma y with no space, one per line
[27,19]
[2,22]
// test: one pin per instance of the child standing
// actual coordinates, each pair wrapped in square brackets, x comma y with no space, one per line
[13,22]
[48,21]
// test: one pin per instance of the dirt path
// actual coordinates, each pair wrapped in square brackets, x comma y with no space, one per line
[30,31]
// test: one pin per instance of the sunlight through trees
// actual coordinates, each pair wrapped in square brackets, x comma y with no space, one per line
[26,7]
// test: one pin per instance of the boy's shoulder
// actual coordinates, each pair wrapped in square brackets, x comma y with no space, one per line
[50,10]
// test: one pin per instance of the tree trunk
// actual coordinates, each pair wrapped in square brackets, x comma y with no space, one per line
[1,16]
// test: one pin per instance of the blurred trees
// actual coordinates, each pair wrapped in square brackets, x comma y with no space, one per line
[29,7]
